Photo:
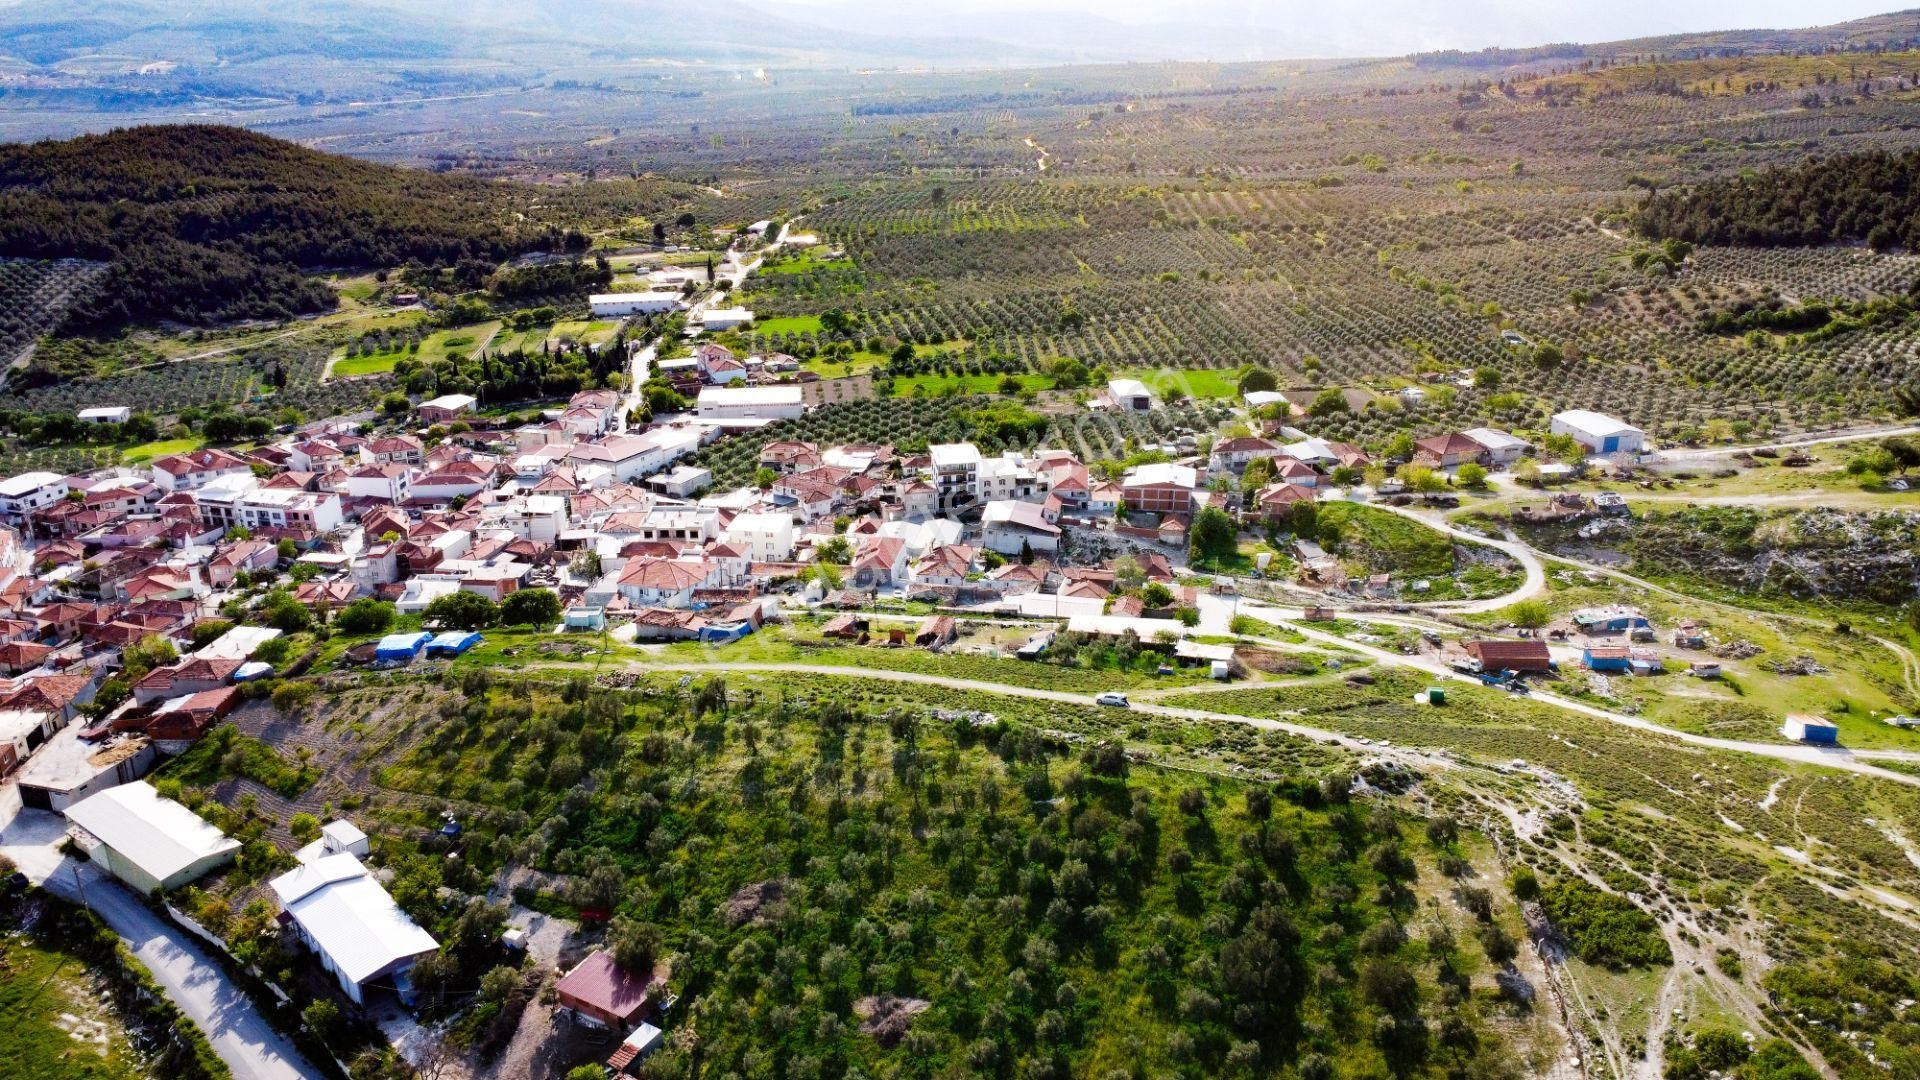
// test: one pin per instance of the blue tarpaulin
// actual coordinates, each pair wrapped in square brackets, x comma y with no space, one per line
[453,643]
[402,647]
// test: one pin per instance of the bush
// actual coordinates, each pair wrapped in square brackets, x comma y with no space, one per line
[1604,928]
[530,607]
[365,616]
[292,696]
[462,611]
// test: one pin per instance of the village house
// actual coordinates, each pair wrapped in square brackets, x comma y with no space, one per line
[185,472]
[1161,488]
[650,581]
[340,912]
[1011,527]
[446,408]
[1233,455]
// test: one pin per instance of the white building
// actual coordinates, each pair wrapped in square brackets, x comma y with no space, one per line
[1009,526]
[30,492]
[105,414]
[153,844]
[682,481]
[389,483]
[1006,477]
[540,518]
[240,500]
[616,305]
[630,457]
[1502,448]
[352,925]
[726,318]
[765,402]
[956,473]
[1598,432]
[764,538]
[1129,395]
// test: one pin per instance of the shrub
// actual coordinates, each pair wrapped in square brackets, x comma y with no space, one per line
[1604,928]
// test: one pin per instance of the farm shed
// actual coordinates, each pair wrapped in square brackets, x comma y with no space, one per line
[1811,729]
[152,844]
[1605,657]
[453,643]
[1522,656]
[401,648]
[604,994]
[635,1049]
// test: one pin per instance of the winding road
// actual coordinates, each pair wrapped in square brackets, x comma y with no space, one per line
[180,964]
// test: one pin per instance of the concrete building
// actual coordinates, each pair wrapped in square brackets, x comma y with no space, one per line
[956,474]
[30,492]
[763,538]
[446,408]
[68,769]
[105,414]
[1009,526]
[755,402]
[619,305]
[153,844]
[1501,448]
[1598,432]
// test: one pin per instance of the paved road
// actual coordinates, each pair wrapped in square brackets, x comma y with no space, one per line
[179,963]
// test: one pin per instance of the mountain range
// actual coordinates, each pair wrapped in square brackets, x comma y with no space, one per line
[228,40]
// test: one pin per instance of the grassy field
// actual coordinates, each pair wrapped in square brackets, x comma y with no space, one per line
[145,452]
[595,332]
[1200,383]
[52,1021]
[936,385]
[804,260]
[1380,542]
[461,341]
[790,324]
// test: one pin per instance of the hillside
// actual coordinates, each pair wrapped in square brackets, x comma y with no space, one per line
[202,224]
[1853,198]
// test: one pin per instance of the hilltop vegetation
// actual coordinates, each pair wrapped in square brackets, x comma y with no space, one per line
[202,224]
[848,886]
[1871,198]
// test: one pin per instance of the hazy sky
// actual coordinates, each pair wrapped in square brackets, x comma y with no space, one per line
[1386,27]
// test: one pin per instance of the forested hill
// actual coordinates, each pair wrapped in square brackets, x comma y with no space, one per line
[1871,198]
[204,223]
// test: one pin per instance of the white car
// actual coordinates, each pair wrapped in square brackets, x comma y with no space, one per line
[1114,698]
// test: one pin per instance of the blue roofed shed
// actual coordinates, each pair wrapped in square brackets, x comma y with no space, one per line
[453,643]
[401,648]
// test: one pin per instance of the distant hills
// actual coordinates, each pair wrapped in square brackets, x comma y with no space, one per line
[147,49]
[202,224]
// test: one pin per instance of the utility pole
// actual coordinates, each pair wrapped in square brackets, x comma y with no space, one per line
[81,884]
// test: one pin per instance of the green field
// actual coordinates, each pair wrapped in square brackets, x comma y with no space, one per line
[936,385]
[803,261]
[458,341]
[145,452]
[790,324]
[1195,383]
[596,332]
[52,1022]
